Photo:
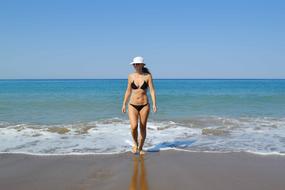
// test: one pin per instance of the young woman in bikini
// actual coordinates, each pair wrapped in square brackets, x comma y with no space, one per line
[138,107]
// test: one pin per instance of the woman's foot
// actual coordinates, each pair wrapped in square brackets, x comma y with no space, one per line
[134,149]
[141,152]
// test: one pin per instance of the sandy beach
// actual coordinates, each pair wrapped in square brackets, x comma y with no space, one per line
[162,170]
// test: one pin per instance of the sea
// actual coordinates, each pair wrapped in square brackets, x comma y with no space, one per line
[83,116]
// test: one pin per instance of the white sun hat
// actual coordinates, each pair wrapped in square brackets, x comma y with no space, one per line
[138,59]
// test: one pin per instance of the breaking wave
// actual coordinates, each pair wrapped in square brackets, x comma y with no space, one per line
[260,135]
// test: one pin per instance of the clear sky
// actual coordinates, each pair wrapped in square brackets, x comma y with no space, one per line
[178,39]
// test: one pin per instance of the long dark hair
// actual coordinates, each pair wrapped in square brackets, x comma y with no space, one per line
[145,70]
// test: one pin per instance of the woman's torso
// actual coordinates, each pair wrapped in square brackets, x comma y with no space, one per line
[139,89]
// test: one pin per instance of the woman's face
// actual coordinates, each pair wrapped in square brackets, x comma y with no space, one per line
[138,66]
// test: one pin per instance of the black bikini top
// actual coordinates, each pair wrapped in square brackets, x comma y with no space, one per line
[143,86]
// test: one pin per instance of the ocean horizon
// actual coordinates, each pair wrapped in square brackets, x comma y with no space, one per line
[154,79]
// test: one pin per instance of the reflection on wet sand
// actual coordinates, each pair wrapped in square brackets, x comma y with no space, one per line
[140,183]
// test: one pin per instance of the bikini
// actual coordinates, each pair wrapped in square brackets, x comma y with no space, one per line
[144,87]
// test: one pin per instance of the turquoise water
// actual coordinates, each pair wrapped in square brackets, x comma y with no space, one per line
[65,101]
[214,115]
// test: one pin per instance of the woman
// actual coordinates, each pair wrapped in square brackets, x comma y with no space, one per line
[139,107]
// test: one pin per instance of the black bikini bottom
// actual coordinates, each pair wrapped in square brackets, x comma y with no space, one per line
[139,107]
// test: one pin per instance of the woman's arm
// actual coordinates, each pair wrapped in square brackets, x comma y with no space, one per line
[127,94]
[152,93]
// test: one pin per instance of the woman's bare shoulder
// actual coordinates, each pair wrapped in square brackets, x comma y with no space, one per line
[148,76]
[131,76]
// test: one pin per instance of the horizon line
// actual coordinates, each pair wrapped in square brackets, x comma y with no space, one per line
[153,78]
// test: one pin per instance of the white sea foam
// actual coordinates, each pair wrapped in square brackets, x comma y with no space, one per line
[112,136]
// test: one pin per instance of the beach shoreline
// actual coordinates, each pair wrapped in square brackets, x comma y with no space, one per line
[161,170]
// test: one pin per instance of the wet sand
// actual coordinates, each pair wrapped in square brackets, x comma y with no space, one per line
[162,170]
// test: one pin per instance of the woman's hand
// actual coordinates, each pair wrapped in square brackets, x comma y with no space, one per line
[124,109]
[154,108]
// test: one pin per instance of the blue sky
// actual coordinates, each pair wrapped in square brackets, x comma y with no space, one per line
[179,39]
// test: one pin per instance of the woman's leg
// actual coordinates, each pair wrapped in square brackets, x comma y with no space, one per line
[133,116]
[143,114]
